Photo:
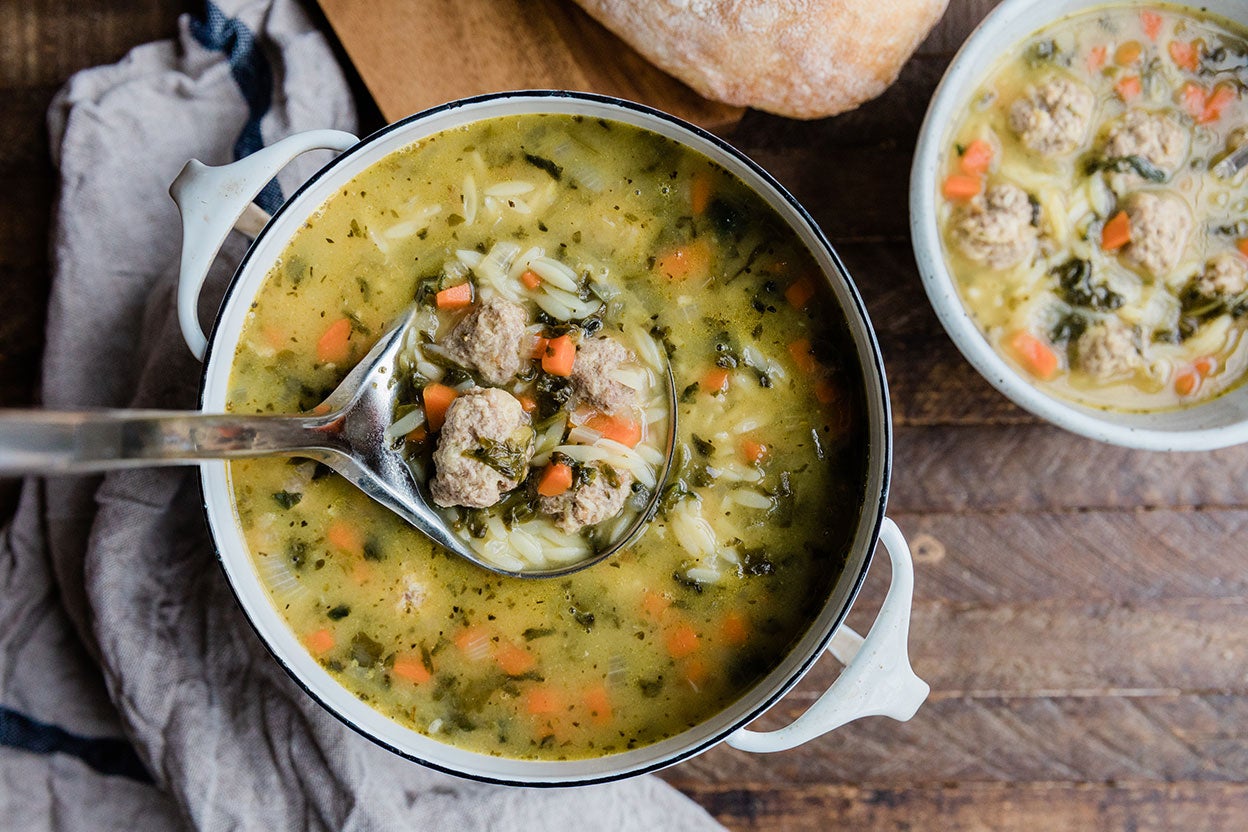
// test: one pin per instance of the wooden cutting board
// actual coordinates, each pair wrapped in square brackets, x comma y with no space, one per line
[414,54]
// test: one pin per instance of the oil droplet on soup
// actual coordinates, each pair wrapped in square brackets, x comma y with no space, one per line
[755,522]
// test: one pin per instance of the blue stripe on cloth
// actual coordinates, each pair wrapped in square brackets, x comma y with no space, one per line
[251,72]
[107,756]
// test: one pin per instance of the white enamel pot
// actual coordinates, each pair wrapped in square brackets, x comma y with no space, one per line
[877,679]
[1213,424]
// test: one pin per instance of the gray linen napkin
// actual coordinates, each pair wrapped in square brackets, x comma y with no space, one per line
[133,693]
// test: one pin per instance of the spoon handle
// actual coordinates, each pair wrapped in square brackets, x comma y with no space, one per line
[51,442]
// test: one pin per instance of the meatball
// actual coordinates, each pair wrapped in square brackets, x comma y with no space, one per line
[1052,119]
[601,495]
[488,340]
[1108,349]
[1225,275]
[996,227]
[592,384]
[484,423]
[1154,137]
[1160,226]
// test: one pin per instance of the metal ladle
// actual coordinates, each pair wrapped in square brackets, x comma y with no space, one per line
[346,432]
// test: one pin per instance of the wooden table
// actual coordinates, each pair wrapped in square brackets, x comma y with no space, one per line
[1081,611]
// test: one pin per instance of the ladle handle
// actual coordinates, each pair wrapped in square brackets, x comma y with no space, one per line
[212,199]
[50,442]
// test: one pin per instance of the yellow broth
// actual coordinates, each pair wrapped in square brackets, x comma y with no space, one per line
[758,516]
[1158,339]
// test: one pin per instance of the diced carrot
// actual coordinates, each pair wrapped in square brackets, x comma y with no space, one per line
[1129,87]
[361,572]
[802,356]
[1186,382]
[800,292]
[334,346]
[514,660]
[1037,356]
[321,409]
[598,701]
[826,392]
[1205,365]
[455,297]
[1222,95]
[527,402]
[1242,246]
[556,479]
[1096,58]
[437,399]
[1193,96]
[753,452]
[1117,232]
[735,629]
[319,642]
[1151,21]
[692,261]
[418,434]
[654,604]
[274,336]
[715,380]
[473,642]
[342,535]
[959,187]
[700,193]
[559,356]
[695,671]
[618,428]
[977,158]
[1184,54]
[412,669]
[1128,53]
[543,700]
[681,641]
[530,279]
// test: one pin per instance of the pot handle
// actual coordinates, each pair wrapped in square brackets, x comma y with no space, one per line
[877,679]
[212,199]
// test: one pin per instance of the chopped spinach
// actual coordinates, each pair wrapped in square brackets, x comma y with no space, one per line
[552,394]
[533,633]
[756,562]
[1077,287]
[509,457]
[703,446]
[287,499]
[365,650]
[650,688]
[542,163]
[581,617]
[338,613]
[1127,164]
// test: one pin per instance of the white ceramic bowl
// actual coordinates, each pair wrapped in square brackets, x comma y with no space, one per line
[878,678]
[1213,424]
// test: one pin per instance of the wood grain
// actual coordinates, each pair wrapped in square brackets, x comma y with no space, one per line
[979,807]
[413,58]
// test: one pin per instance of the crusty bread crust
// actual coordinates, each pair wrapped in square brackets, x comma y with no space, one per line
[798,58]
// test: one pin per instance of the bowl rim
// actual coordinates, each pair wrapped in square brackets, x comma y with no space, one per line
[870,520]
[938,282]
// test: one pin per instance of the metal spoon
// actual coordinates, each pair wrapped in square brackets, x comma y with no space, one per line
[346,432]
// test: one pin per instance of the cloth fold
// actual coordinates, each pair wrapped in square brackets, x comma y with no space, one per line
[118,622]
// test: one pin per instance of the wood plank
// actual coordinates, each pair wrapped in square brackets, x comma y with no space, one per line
[977,807]
[458,48]
[1124,556]
[1043,468]
[1113,737]
[44,42]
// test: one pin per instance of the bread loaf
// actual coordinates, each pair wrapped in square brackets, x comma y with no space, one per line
[798,58]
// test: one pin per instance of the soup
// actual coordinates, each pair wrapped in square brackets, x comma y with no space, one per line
[753,525]
[1090,231]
